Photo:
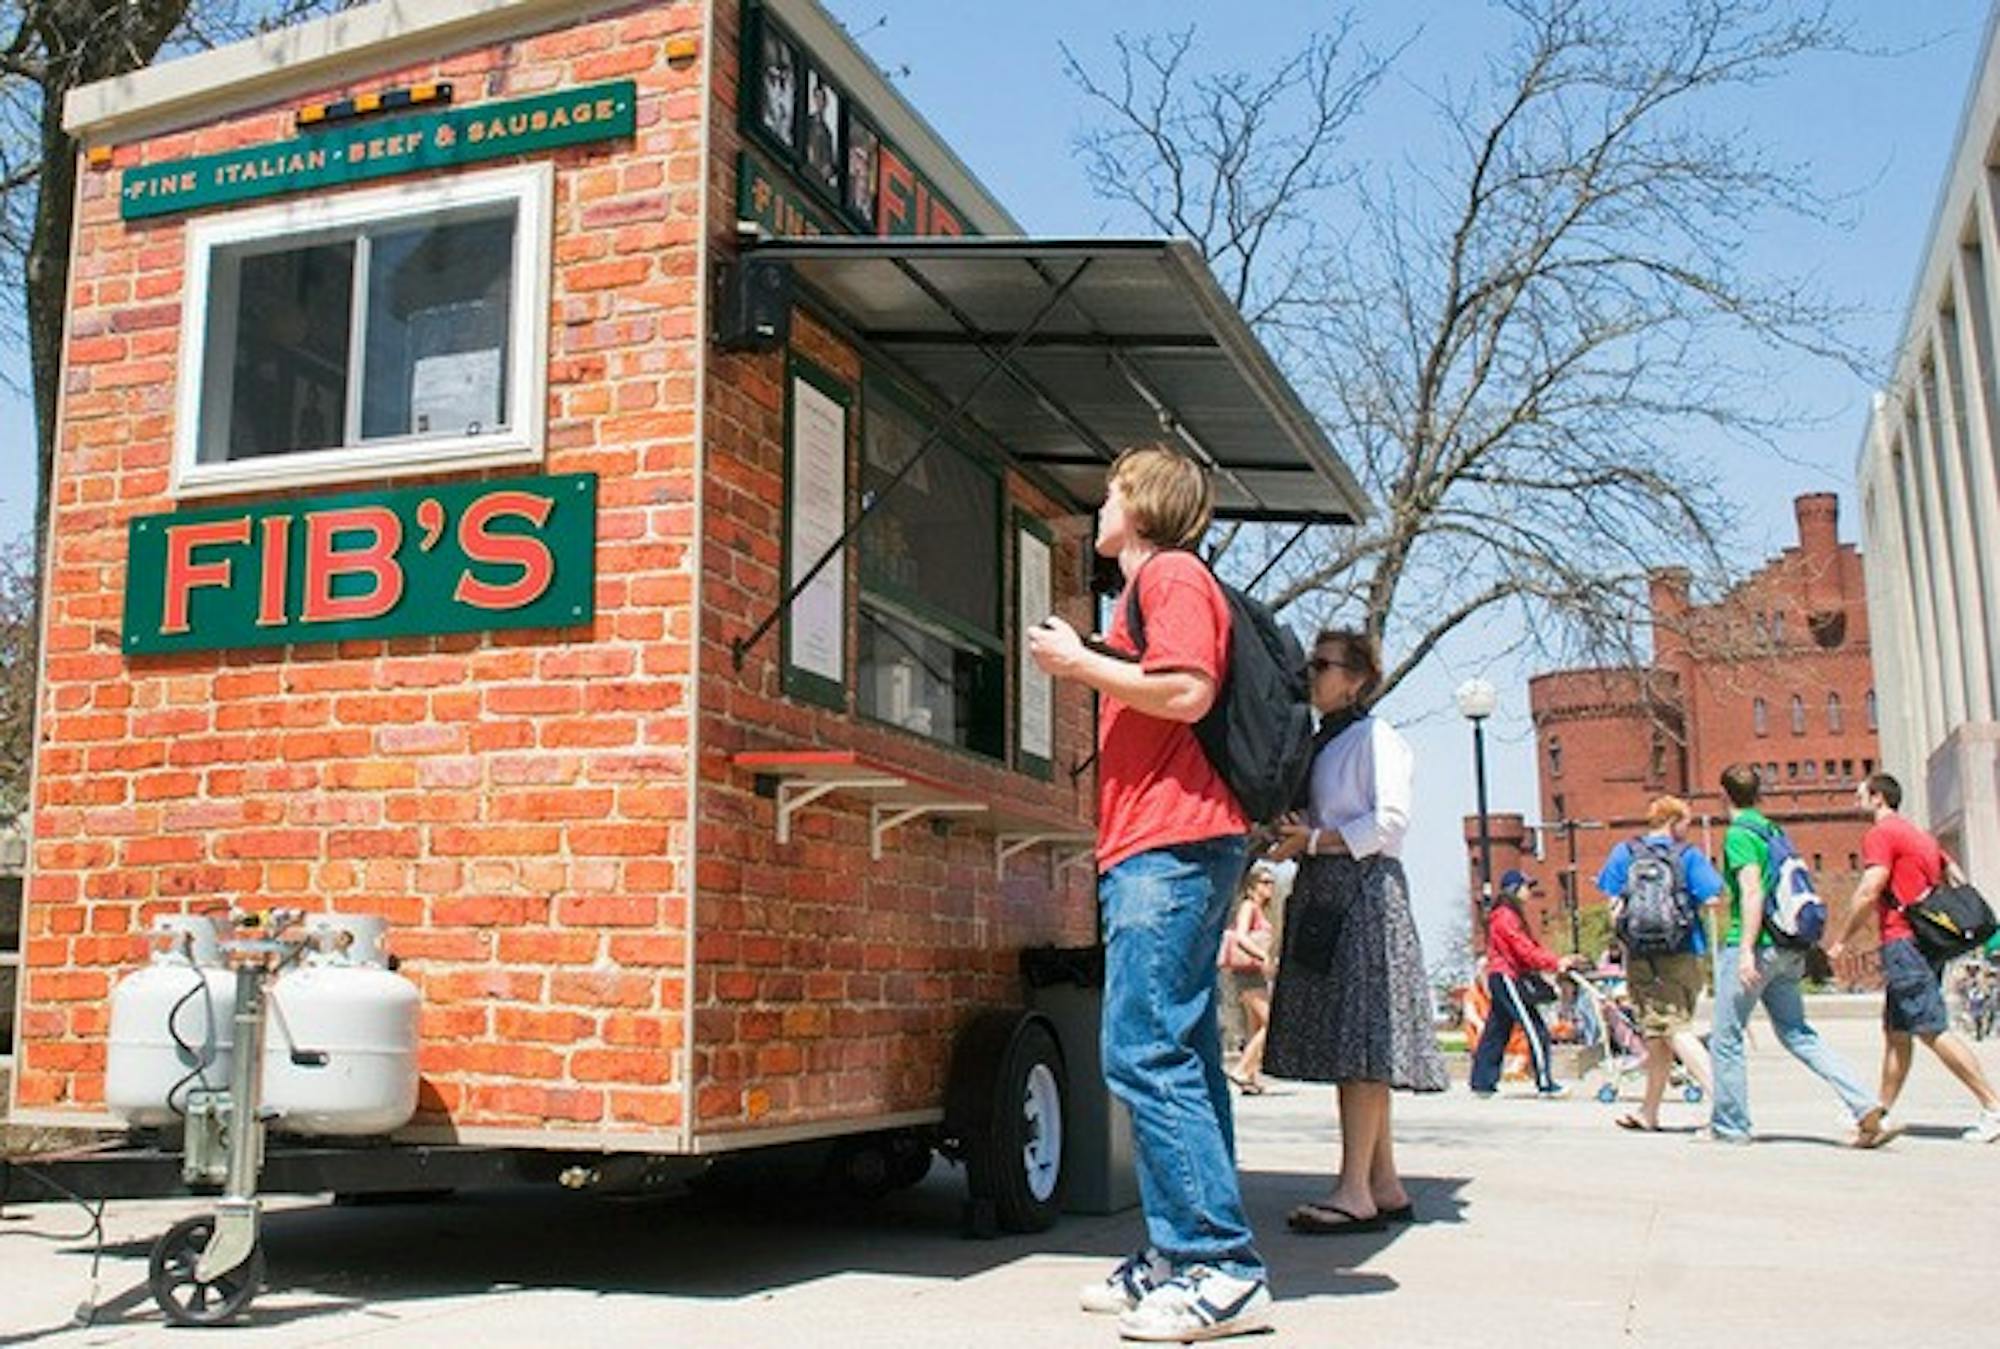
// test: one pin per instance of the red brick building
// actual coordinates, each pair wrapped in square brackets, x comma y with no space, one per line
[1776,672]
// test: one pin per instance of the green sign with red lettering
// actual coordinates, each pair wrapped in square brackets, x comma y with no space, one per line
[511,553]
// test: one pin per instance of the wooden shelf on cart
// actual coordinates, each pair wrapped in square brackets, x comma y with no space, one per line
[897,797]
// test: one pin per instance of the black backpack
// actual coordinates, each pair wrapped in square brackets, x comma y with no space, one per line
[1655,916]
[1258,735]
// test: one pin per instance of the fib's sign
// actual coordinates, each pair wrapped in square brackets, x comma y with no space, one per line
[511,553]
[378,149]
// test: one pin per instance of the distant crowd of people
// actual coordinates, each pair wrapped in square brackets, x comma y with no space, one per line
[1337,991]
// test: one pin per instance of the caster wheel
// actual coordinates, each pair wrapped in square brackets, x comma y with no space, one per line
[186,1300]
[1691,1093]
[1607,1093]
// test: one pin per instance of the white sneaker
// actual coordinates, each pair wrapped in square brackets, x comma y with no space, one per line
[1986,1129]
[1202,1304]
[1126,1286]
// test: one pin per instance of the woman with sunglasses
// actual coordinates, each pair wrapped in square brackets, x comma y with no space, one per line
[1352,1004]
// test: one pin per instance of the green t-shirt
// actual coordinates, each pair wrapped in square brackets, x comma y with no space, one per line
[1743,847]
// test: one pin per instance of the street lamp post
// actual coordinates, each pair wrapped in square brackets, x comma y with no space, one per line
[1476,702]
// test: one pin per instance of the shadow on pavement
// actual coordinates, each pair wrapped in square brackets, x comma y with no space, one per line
[732,1243]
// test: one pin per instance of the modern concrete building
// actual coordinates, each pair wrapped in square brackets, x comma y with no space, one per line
[1929,479]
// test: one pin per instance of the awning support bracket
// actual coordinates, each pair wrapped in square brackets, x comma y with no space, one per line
[884,818]
[794,796]
[740,648]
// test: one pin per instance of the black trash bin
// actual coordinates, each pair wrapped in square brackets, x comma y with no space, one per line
[1066,985]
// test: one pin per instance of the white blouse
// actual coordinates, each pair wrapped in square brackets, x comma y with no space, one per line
[1362,786]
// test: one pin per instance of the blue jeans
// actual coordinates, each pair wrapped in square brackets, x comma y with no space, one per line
[1778,990]
[1164,912]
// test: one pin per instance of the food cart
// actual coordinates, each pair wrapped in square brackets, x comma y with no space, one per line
[571,479]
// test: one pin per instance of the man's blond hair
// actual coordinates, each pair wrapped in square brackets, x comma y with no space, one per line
[1168,497]
[1667,810]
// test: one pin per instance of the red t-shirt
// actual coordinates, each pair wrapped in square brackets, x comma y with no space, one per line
[1915,863]
[1155,786]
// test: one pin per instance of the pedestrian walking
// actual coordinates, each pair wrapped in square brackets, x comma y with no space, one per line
[1513,959]
[1170,849]
[1352,1004]
[1750,969]
[1664,975]
[1247,959]
[1900,863]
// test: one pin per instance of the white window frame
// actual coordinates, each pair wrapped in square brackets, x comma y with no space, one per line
[531,190]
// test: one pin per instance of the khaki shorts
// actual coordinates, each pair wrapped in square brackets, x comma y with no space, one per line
[1664,990]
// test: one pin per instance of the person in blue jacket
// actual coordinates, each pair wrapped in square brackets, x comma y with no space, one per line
[1664,987]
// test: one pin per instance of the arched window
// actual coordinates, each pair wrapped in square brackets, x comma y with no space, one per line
[1555,756]
[1871,709]
[1778,629]
[1798,715]
[1760,717]
[1833,713]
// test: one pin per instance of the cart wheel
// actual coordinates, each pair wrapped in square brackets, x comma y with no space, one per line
[1691,1093]
[1008,1103]
[1607,1093]
[186,1300]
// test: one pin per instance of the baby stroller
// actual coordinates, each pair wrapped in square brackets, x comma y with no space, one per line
[1621,1048]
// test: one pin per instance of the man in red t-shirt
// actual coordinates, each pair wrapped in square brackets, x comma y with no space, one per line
[1170,850]
[1900,863]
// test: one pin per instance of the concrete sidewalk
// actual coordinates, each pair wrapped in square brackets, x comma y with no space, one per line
[1541,1223]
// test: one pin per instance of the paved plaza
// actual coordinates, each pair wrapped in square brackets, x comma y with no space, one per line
[1541,1224]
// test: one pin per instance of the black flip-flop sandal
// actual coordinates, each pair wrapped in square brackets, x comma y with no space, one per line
[1403,1213]
[1328,1220]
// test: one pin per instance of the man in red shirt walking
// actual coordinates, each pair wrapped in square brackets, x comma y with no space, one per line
[1170,849]
[1900,865]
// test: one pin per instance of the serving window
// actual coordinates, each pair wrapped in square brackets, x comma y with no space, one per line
[369,334]
[931,650]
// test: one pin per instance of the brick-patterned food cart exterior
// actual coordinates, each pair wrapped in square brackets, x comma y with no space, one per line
[573,479]
[613,948]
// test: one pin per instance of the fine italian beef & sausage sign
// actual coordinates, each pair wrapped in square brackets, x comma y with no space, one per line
[377,149]
[511,553]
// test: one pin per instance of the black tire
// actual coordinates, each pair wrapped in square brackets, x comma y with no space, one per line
[187,1301]
[1006,1107]
[873,1166]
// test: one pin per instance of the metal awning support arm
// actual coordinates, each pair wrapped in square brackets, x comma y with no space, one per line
[1276,558]
[742,645]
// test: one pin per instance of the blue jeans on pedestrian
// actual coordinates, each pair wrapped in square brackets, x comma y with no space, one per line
[1778,990]
[1164,912]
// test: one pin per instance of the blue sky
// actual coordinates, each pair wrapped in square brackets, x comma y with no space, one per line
[1876,129]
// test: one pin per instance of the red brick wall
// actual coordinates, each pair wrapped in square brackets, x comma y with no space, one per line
[827,984]
[514,803]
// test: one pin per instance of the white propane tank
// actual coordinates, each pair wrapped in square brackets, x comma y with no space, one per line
[340,1046]
[171,1025]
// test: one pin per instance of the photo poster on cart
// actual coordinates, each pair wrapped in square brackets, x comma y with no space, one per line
[1035,697]
[815,631]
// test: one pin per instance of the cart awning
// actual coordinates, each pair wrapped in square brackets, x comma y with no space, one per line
[1141,345]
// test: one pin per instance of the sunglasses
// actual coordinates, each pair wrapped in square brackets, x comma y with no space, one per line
[1319,665]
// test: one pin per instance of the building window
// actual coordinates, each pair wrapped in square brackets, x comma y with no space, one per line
[1809,770]
[1854,861]
[1791,770]
[931,655]
[1867,768]
[1832,770]
[1771,774]
[1833,724]
[1819,863]
[1659,763]
[1555,756]
[1869,704]
[1778,629]
[367,334]
[1760,717]
[1847,768]
[1562,809]
[1798,715]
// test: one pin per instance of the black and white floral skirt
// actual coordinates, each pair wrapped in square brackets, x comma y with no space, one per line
[1352,1001]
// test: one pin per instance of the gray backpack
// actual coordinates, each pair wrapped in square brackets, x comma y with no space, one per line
[1655,917]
